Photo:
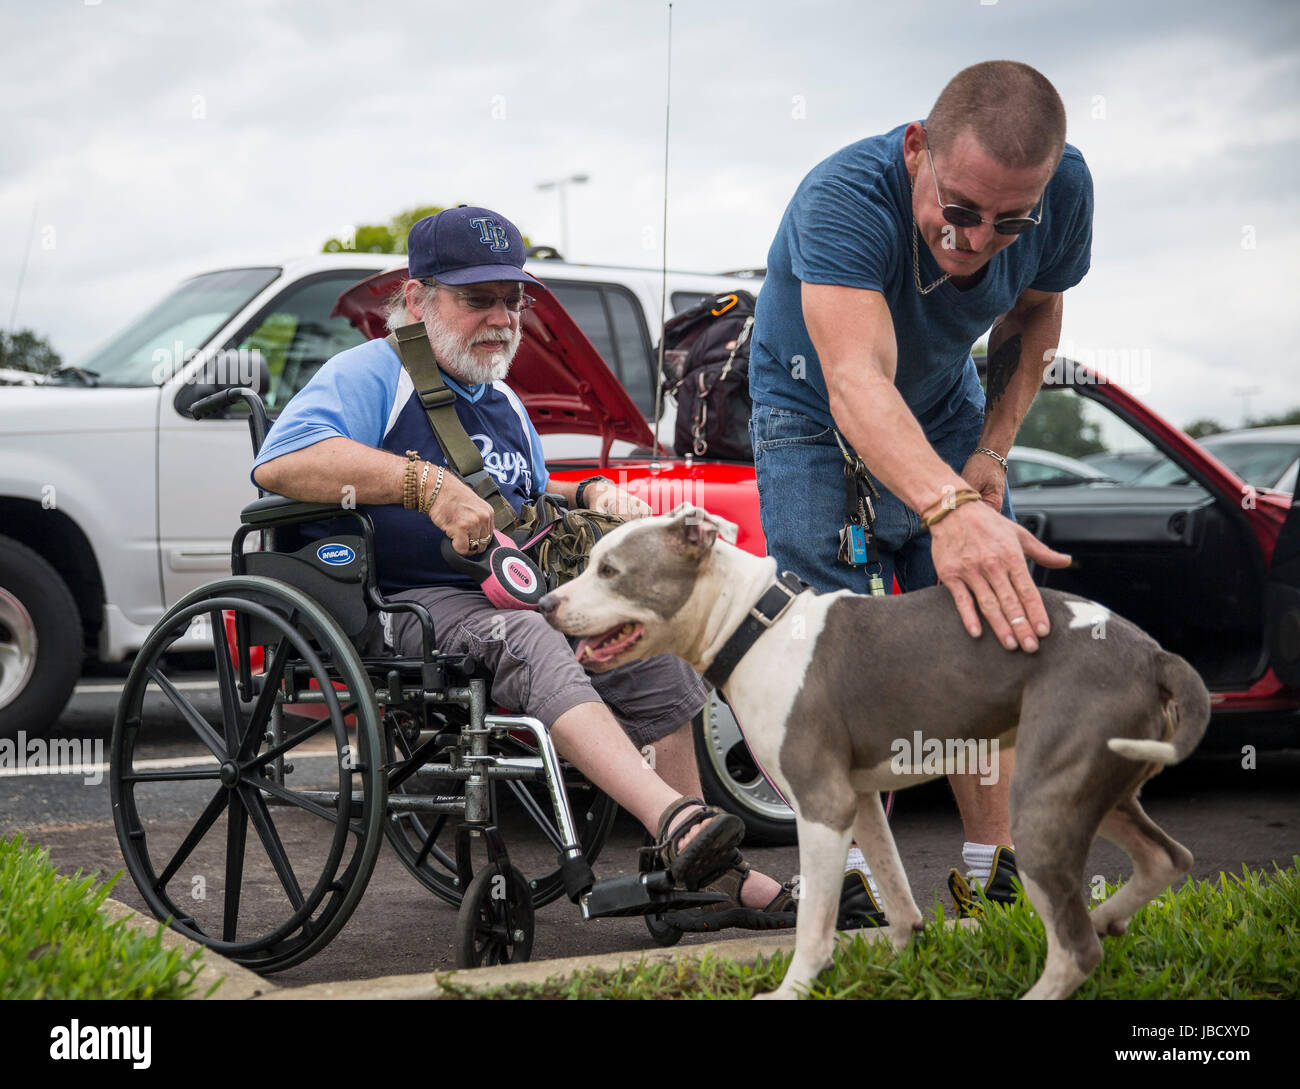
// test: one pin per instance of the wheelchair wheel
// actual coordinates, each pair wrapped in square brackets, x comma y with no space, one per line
[425,843]
[315,800]
[495,922]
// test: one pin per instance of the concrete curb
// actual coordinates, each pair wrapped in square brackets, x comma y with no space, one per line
[233,982]
[427,985]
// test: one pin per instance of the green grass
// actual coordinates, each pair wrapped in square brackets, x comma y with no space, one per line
[1232,938]
[55,944]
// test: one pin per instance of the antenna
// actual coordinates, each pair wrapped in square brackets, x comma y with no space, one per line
[663,286]
[22,273]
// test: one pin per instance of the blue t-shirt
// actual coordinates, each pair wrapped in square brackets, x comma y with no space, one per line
[366,395]
[850,223]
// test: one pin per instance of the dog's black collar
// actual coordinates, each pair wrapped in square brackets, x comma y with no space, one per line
[775,600]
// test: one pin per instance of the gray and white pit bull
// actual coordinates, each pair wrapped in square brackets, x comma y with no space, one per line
[830,688]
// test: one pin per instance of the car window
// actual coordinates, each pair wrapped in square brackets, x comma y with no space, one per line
[610,317]
[1288,482]
[684,300]
[633,349]
[296,335]
[1063,422]
[1257,463]
[159,342]
[1023,472]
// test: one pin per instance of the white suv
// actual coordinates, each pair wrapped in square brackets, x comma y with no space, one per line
[114,502]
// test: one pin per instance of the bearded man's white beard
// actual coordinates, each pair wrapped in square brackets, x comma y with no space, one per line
[454,354]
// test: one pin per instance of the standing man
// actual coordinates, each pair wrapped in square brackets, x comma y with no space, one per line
[894,256]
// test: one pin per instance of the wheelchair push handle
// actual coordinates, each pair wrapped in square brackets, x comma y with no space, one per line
[508,578]
[258,421]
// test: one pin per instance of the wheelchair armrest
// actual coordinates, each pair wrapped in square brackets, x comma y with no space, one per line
[273,509]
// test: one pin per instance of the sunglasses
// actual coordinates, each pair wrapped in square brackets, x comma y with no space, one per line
[486,300]
[959,216]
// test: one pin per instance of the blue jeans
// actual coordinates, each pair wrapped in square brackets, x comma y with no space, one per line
[801,499]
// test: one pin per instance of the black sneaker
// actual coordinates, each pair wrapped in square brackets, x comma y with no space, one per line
[858,908]
[998,889]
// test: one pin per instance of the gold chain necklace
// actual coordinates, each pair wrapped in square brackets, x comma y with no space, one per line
[916,266]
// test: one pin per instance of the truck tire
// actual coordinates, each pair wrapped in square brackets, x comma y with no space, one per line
[40,642]
[732,780]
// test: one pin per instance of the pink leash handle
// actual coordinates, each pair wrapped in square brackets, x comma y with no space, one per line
[508,578]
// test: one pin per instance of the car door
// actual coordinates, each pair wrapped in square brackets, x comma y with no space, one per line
[1283,613]
[1184,561]
[204,465]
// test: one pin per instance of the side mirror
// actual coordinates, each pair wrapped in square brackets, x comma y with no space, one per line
[227,369]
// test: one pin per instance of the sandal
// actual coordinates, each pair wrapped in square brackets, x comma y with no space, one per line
[712,850]
[780,914]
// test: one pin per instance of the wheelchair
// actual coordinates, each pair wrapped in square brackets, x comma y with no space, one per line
[327,751]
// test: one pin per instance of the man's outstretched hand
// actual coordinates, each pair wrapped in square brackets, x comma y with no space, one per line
[980,556]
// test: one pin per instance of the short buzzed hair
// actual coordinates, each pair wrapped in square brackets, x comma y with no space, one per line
[1013,111]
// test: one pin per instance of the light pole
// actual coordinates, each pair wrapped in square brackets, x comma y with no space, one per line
[1245,393]
[560,185]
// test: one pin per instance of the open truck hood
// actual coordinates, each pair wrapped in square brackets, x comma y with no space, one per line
[557,372]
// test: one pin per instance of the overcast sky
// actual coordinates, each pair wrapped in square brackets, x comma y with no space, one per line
[154,140]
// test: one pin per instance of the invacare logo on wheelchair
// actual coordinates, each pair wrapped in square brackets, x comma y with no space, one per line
[336,555]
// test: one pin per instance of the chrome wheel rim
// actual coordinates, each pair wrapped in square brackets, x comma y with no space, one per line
[751,786]
[17,647]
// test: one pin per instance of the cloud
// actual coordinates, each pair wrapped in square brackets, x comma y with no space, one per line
[159,140]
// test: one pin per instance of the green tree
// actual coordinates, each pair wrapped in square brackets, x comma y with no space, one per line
[25,351]
[1198,429]
[1290,417]
[387,237]
[1055,422]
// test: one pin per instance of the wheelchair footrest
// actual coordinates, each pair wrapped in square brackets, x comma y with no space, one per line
[642,894]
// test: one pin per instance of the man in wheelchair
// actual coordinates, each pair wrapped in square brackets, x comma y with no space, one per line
[359,424]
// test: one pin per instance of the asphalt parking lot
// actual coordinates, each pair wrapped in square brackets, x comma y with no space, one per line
[1225,814]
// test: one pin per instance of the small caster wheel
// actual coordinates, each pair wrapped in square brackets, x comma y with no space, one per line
[495,922]
[663,933]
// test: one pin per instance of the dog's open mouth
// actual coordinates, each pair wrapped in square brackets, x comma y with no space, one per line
[599,649]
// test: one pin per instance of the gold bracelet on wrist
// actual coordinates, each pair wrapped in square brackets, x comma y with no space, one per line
[946,505]
[424,476]
[425,507]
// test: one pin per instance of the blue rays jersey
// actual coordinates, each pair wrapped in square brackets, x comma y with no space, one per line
[850,223]
[365,394]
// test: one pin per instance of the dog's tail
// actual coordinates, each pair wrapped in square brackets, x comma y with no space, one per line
[1185,708]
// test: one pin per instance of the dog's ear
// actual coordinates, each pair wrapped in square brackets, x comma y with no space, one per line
[694,529]
[728,531]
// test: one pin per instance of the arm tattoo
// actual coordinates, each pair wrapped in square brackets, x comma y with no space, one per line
[1003,365]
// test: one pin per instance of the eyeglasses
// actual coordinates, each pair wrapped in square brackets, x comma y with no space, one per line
[959,216]
[486,300]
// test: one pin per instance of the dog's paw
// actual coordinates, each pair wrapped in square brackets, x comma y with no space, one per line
[1115,928]
[781,994]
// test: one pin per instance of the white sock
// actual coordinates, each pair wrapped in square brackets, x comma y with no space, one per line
[858,861]
[978,858]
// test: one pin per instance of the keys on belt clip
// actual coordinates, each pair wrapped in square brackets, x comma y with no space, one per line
[857,543]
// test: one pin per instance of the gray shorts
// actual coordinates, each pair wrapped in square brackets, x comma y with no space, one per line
[535,672]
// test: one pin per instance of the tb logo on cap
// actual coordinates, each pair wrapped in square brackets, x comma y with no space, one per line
[491,233]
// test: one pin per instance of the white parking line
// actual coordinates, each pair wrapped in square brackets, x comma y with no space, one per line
[192,686]
[156,764]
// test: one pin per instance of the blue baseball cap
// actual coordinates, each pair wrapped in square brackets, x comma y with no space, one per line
[466,245]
